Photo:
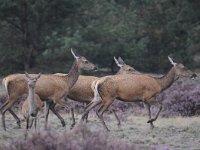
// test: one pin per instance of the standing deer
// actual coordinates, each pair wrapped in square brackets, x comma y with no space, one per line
[33,103]
[50,88]
[25,110]
[132,88]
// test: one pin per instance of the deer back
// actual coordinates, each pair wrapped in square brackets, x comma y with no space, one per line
[128,87]
[47,86]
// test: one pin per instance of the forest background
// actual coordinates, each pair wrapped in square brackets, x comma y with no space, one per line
[36,35]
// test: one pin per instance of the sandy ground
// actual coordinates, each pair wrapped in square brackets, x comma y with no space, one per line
[176,133]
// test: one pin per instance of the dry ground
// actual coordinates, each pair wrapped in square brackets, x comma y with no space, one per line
[176,133]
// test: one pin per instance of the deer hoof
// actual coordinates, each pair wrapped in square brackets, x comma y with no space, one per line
[63,123]
[19,125]
[107,130]
[150,121]
[72,126]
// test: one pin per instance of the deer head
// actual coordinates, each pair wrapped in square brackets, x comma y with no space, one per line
[124,68]
[82,62]
[32,80]
[181,70]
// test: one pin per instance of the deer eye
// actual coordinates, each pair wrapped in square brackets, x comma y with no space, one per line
[86,62]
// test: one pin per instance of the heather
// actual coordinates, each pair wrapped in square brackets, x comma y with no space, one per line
[80,138]
[182,98]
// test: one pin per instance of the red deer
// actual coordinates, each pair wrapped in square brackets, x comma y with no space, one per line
[33,103]
[50,88]
[132,88]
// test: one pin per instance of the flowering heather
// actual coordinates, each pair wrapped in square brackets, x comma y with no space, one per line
[80,138]
[181,99]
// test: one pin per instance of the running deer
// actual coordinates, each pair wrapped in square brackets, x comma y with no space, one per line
[50,88]
[132,88]
[82,91]
[33,103]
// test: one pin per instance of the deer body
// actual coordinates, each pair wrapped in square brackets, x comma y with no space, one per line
[26,109]
[82,91]
[25,106]
[145,87]
[131,88]
[50,88]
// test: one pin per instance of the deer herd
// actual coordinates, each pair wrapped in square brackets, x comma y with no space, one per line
[45,91]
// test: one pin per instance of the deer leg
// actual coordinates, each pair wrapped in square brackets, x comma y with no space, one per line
[67,106]
[118,121]
[157,114]
[52,107]
[35,123]
[31,122]
[90,106]
[97,111]
[27,122]
[73,118]
[12,113]
[16,118]
[148,108]
[96,101]
[27,126]
[101,112]
[4,104]
[47,106]
[86,117]
[6,107]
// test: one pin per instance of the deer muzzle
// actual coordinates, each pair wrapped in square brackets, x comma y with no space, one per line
[194,76]
[33,114]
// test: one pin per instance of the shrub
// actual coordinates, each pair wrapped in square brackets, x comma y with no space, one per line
[80,138]
[182,98]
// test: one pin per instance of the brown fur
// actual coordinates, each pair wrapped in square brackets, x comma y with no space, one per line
[49,87]
[131,88]
[25,106]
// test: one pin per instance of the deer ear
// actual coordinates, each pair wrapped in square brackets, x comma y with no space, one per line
[172,62]
[120,60]
[75,56]
[27,75]
[38,76]
[117,63]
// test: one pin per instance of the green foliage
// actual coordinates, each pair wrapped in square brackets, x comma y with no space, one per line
[38,34]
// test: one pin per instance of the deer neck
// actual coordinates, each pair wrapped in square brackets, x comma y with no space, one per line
[120,71]
[31,98]
[73,74]
[168,79]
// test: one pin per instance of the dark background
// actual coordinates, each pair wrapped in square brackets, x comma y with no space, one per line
[36,35]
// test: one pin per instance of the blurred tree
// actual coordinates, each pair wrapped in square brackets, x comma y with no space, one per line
[38,33]
[25,24]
